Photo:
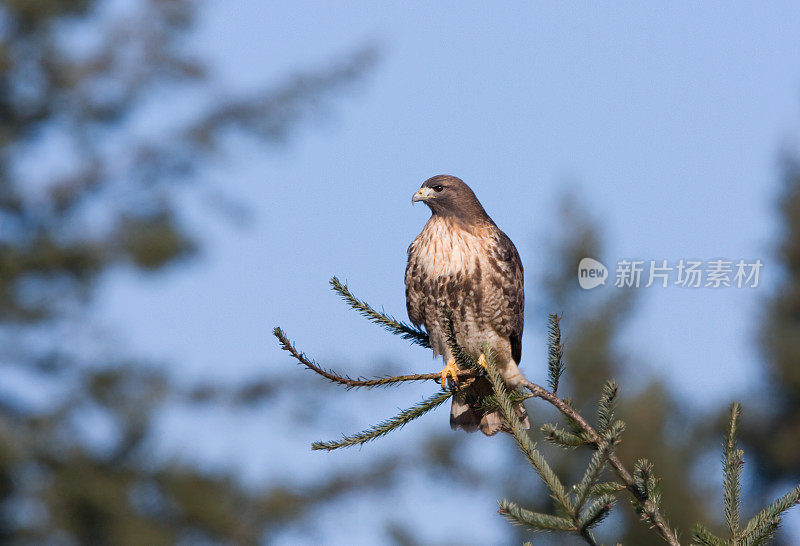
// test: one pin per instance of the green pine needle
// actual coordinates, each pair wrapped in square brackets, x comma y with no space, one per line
[643,477]
[555,352]
[761,528]
[605,408]
[535,521]
[596,465]
[646,484]
[596,512]
[732,473]
[344,380]
[701,536]
[489,403]
[772,512]
[398,328]
[605,488]
[762,533]
[562,438]
[387,426]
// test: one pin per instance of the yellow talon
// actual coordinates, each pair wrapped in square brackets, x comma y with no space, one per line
[482,361]
[451,370]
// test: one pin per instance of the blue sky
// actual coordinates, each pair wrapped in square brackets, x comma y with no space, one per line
[666,120]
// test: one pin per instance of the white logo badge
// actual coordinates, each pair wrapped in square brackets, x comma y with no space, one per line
[591,273]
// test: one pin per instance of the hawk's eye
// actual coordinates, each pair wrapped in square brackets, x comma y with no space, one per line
[437,188]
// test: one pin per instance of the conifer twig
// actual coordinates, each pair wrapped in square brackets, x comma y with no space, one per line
[649,507]
[574,518]
[555,352]
[763,525]
[387,426]
[397,327]
[605,408]
[732,472]
[348,382]
[701,536]
[535,520]
[562,438]
[595,514]
[596,464]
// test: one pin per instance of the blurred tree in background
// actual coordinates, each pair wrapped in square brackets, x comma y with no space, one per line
[76,80]
[774,436]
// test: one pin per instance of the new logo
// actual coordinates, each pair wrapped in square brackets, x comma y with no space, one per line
[591,273]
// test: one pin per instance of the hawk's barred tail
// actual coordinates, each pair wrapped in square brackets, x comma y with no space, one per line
[465,413]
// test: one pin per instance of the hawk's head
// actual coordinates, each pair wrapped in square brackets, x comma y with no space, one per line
[449,196]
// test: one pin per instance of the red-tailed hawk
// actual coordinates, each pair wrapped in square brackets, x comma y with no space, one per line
[462,263]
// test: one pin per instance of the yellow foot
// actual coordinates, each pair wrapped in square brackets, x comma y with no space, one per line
[451,370]
[482,361]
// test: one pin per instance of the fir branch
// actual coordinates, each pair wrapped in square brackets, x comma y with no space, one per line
[646,483]
[348,382]
[761,533]
[596,512]
[732,472]
[489,403]
[547,475]
[605,488]
[596,465]
[648,507]
[555,352]
[605,408]
[562,438]
[534,520]
[398,328]
[701,536]
[761,528]
[772,512]
[387,426]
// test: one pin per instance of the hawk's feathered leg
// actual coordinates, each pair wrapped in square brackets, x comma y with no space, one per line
[465,412]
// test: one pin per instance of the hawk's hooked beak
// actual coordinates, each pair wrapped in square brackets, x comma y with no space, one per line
[423,194]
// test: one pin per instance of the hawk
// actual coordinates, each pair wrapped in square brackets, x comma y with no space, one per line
[463,266]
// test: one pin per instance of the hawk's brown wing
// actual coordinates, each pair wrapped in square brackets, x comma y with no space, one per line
[506,274]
